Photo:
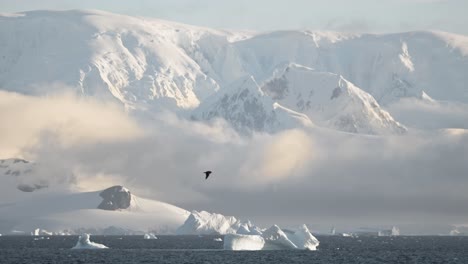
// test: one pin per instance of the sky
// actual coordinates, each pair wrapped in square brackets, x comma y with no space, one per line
[338,15]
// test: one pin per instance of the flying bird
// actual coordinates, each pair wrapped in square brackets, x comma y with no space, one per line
[207,174]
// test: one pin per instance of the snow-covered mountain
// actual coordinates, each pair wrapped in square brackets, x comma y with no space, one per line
[388,66]
[246,107]
[330,100]
[139,62]
[112,211]
[150,64]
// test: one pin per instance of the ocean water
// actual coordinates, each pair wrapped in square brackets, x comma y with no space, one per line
[195,249]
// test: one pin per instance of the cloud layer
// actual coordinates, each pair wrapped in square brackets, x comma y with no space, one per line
[315,176]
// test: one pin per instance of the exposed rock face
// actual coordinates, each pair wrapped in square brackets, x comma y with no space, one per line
[115,198]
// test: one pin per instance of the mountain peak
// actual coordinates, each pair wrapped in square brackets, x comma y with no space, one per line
[330,100]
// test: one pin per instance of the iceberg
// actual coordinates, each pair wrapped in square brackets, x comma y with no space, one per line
[243,242]
[41,232]
[205,223]
[247,228]
[303,239]
[218,239]
[272,239]
[85,243]
[243,230]
[394,231]
[150,236]
[275,238]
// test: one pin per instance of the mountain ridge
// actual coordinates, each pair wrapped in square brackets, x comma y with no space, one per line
[148,64]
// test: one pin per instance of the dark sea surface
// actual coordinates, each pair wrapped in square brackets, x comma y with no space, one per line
[195,249]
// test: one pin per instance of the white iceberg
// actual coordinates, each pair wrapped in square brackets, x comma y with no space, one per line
[303,239]
[272,239]
[248,228]
[85,243]
[205,223]
[218,239]
[41,232]
[150,236]
[243,242]
[275,238]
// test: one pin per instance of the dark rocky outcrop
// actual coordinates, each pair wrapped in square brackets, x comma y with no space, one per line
[115,198]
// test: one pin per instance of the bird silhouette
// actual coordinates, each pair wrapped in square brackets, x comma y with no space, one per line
[207,174]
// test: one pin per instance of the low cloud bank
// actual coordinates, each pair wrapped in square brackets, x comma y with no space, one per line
[295,176]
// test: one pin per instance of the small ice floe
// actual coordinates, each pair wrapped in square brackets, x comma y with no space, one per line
[150,236]
[85,243]
[218,239]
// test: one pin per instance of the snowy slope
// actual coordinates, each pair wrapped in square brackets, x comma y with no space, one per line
[247,108]
[78,212]
[331,101]
[140,62]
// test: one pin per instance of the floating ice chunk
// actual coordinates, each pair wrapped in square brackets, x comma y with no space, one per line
[303,239]
[85,243]
[275,238]
[218,239]
[247,228]
[41,232]
[150,236]
[204,223]
[243,242]
[271,239]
